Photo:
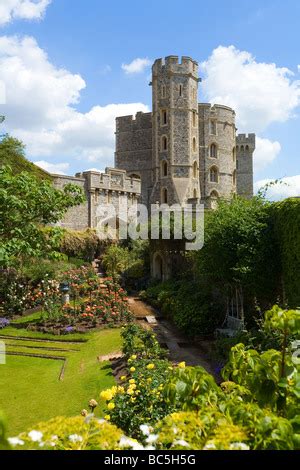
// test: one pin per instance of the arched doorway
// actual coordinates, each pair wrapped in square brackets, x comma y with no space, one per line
[158,267]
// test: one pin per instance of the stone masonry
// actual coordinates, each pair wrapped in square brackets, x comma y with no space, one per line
[184,151]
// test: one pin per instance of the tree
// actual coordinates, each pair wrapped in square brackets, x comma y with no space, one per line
[116,260]
[27,206]
[240,250]
[12,152]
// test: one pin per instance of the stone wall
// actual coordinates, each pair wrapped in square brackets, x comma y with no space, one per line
[134,149]
[112,187]
[245,146]
[217,127]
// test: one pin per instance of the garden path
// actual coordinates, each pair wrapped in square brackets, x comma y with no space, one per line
[180,347]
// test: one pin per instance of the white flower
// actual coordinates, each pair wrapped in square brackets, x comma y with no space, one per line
[127,442]
[101,421]
[152,438]
[35,436]
[175,430]
[137,446]
[181,442]
[145,429]
[41,444]
[75,438]
[239,446]
[15,441]
[209,446]
[150,448]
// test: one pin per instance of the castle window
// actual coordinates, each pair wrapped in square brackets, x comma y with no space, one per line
[164,196]
[213,127]
[234,178]
[234,154]
[163,91]
[194,119]
[180,90]
[214,175]
[165,169]
[194,144]
[164,117]
[213,152]
[195,170]
[214,196]
[164,143]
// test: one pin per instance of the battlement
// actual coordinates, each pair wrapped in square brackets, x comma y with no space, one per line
[246,139]
[215,108]
[131,123]
[173,64]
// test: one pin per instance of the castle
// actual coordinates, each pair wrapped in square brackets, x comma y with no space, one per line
[182,152]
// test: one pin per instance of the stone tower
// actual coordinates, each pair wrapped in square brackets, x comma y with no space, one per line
[175,133]
[245,146]
[217,138]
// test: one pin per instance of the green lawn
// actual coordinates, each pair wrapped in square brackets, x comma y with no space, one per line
[30,389]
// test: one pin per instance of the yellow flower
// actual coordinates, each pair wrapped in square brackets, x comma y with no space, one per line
[111,405]
[123,378]
[181,365]
[106,395]
[149,380]
[133,357]
[132,369]
[121,389]
[130,391]
[132,381]
[150,366]
[107,417]
[132,399]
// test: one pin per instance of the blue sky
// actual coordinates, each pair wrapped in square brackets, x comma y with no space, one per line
[61,62]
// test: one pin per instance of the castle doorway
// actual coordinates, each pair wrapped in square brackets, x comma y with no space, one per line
[158,267]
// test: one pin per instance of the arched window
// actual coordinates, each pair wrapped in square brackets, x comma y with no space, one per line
[165,168]
[214,175]
[164,142]
[194,118]
[164,196]
[234,178]
[213,153]
[214,196]
[213,127]
[164,117]
[195,170]
[194,144]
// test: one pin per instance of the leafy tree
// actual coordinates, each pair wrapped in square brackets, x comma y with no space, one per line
[240,250]
[27,205]
[116,260]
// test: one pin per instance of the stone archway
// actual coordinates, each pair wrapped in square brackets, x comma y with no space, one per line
[158,267]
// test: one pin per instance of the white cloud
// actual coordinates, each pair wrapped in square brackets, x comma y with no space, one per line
[25,9]
[261,93]
[136,66]
[266,151]
[57,168]
[298,68]
[41,111]
[288,186]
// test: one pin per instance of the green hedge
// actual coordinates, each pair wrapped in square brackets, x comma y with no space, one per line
[287,226]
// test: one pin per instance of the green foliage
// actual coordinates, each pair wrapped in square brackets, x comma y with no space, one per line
[81,244]
[70,434]
[3,441]
[116,260]
[189,303]
[240,247]
[287,227]
[140,342]
[12,152]
[26,205]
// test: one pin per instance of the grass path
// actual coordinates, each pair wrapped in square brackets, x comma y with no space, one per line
[30,390]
